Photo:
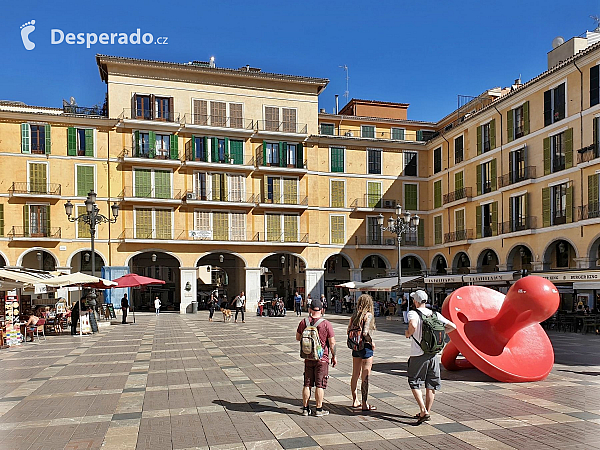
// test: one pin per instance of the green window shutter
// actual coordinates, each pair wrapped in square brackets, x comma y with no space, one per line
[152,144]
[215,149]
[421,233]
[25,220]
[568,148]
[510,127]
[71,141]
[227,150]
[593,192]
[458,181]
[300,155]
[410,197]
[437,194]
[142,182]
[526,211]
[236,151]
[85,180]
[493,134]
[38,178]
[494,180]
[478,168]
[282,154]
[25,138]
[373,194]
[206,149]
[546,207]
[478,222]
[419,135]
[526,118]
[437,230]
[337,159]
[337,194]
[495,219]
[174,147]
[48,142]
[264,149]
[162,184]
[89,142]
[136,144]
[511,206]
[569,204]
[547,161]
[479,140]
[48,223]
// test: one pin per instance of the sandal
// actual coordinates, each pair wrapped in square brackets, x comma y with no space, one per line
[421,419]
[370,408]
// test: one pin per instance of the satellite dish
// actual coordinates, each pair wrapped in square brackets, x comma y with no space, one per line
[558,41]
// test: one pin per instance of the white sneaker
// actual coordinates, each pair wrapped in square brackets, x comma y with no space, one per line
[321,412]
[305,411]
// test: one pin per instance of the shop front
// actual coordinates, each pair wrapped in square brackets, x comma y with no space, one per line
[577,289]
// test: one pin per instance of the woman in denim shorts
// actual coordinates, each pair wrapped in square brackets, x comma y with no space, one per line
[362,360]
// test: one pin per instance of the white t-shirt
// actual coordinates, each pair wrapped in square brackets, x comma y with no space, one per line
[156,304]
[309,301]
[241,299]
[415,349]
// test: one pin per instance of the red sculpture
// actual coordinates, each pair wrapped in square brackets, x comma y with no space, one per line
[501,335]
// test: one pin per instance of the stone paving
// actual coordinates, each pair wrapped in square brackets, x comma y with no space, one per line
[180,382]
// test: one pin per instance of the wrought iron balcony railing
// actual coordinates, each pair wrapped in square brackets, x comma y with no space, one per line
[518,224]
[458,194]
[149,114]
[97,111]
[278,163]
[589,211]
[207,120]
[34,233]
[198,195]
[588,153]
[285,200]
[460,235]
[34,188]
[197,156]
[373,201]
[525,173]
[153,193]
[280,127]
[147,153]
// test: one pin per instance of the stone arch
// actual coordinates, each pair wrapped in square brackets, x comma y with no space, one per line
[36,249]
[385,260]
[434,263]
[512,254]
[152,250]
[593,252]
[549,251]
[458,266]
[484,265]
[82,250]
[5,258]
[221,251]
[421,260]
[350,261]
[285,253]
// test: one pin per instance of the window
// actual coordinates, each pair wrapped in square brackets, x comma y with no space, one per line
[220,226]
[559,204]
[367,131]
[437,194]
[594,85]
[337,230]
[289,120]
[84,177]
[518,213]
[236,151]
[143,109]
[459,220]
[458,149]
[36,221]
[437,230]
[272,152]
[398,134]
[437,160]
[337,193]
[374,160]
[200,185]
[486,177]
[554,104]
[38,139]
[517,163]
[486,137]
[163,224]
[271,118]
[162,107]
[328,129]
[517,122]
[163,146]
[593,206]
[237,188]
[410,164]
[290,191]
[38,178]
[337,159]
[236,115]
[218,114]
[411,197]
[373,194]
[558,152]
[238,227]
[374,233]
[202,225]
[273,190]
[200,112]
[459,184]
[149,183]
[275,223]
[218,187]
[291,155]
[290,228]
[486,219]
[273,227]
[80,142]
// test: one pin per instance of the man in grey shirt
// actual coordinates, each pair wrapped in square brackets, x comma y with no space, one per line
[240,303]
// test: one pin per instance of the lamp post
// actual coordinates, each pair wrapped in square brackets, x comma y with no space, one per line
[399,225]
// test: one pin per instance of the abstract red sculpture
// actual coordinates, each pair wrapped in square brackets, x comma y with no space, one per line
[501,335]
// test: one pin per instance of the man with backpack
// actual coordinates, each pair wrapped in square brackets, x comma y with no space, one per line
[317,341]
[428,332]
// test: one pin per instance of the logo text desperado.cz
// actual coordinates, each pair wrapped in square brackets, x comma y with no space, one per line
[89,39]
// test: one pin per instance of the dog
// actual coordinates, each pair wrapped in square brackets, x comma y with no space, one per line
[226,314]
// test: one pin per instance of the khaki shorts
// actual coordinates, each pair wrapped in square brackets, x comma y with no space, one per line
[316,373]
[424,369]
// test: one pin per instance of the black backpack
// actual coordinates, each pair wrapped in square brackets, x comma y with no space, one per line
[433,333]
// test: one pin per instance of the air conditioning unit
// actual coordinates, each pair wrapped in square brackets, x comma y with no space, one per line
[190,196]
[390,241]
[389,203]
[348,134]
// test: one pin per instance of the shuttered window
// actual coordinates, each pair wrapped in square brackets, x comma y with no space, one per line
[218,114]
[202,224]
[458,181]
[290,228]
[459,219]
[163,224]
[85,180]
[236,151]
[437,194]
[235,115]
[290,191]
[236,188]
[410,197]
[458,149]
[200,112]
[410,164]
[367,131]
[337,193]
[238,227]
[554,104]
[327,129]
[374,160]
[143,223]
[398,133]
[142,182]
[271,118]
[437,230]
[162,183]
[338,234]
[273,227]
[337,159]
[437,160]
[38,181]
[289,120]
[594,85]
[220,226]
[373,194]
[593,209]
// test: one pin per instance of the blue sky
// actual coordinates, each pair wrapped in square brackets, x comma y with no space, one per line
[421,52]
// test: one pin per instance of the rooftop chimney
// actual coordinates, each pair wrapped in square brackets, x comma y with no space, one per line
[337,104]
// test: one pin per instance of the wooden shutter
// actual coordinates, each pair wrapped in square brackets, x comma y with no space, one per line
[479,140]
[437,194]
[190,149]
[478,168]
[493,134]
[410,197]
[200,112]
[373,194]
[152,144]
[238,227]
[264,153]
[282,154]
[593,195]
[206,149]
[495,219]
[458,181]
[277,190]
[595,123]
[510,126]
[162,218]
[37,178]
[437,230]
[48,223]
[337,159]
[594,85]
[216,187]
[300,155]
[72,141]
[162,184]
[273,227]
[89,142]
[85,180]
[459,220]
[421,233]
[220,226]
[568,148]
[142,182]
[337,194]
[25,220]
[83,229]
[137,144]
[290,191]
[218,114]
[202,222]
[290,228]
[494,180]
[48,143]
[511,207]
[236,151]
[526,118]
[25,138]
[215,149]
[478,221]
[547,107]
[337,235]
[174,146]
[569,204]
[235,115]
[143,223]
[547,155]
[546,206]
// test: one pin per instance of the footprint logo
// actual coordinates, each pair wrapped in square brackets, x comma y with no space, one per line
[26,30]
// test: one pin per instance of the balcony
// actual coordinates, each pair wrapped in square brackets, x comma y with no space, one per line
[228,161]
[516,176]
[457,236]
[274,126]
[459,194]
[300,238]
[130,234]
[283,201]
[588,153]
[160,156]
[375,240]
[277,165]
[165,195]
[487,231]
[197,198]
[521,224]
[29,233]
[82,111]
[209,121]
[18,189]
[589,211]
[150,115]
[371,201]
[357,133]
[211,236]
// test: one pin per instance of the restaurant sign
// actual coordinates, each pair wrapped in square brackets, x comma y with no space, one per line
[566,277]
[442,279]
[489,277]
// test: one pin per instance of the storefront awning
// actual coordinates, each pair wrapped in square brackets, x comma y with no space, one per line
[386,284]
[444,279]
[29,278]
[587,285]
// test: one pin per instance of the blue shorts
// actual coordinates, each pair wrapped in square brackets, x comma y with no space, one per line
[365,353]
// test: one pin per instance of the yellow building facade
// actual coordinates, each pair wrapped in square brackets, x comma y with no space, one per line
[237,172]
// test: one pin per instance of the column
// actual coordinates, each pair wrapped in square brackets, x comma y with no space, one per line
[65,270]
[188,285]
[582,263]
[115,295]
[537,266]
[502,267]
[252,289]
[315,282]
[355,274]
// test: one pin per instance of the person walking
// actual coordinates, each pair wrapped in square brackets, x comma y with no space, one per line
[124,307]
[423,367]
[308,302]
[298,304]
[361,327]
[157,305]
[240,303]
[212,304]
[324,303]
[316,371]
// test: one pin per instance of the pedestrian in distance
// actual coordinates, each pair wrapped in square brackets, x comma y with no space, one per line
[324,303]
[240,303]
[157,305]
[308,302]
[212,304]
[428,331]
[317,343]
[124,308]
[298,304]
[360,341]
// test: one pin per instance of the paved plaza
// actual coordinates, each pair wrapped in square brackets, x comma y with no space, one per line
[180,382]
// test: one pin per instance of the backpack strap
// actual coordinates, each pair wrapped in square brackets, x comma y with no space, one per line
[421,317]
[307,322]
[318,322]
